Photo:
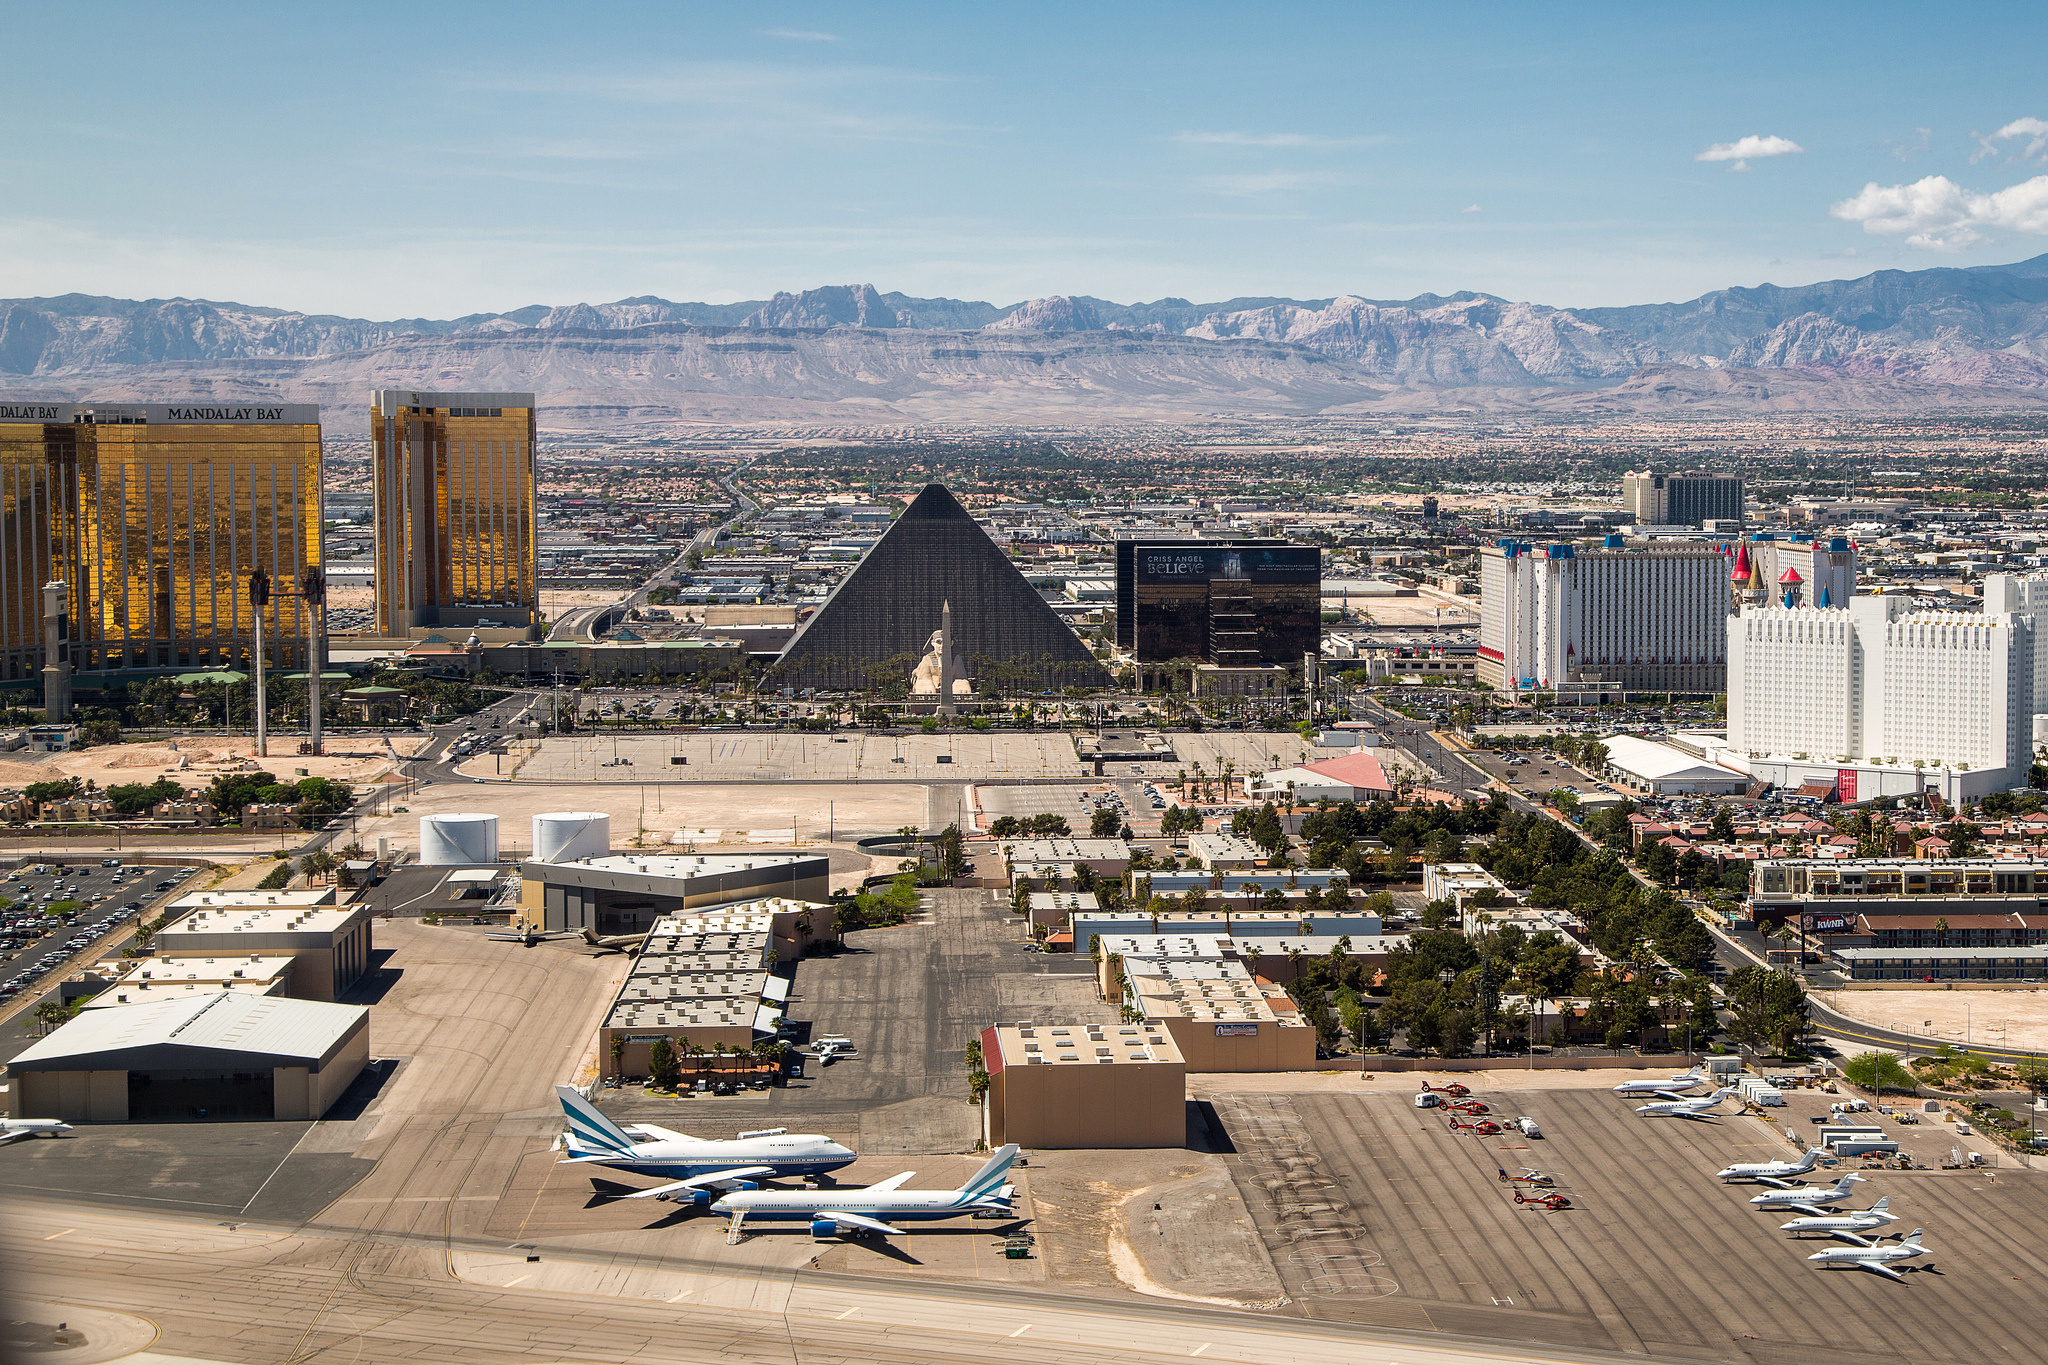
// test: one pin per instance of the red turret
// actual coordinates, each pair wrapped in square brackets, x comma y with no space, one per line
[1741,563]
[1790,576]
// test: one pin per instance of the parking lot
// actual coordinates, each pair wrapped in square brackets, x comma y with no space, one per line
[1375,1212]
[54,914]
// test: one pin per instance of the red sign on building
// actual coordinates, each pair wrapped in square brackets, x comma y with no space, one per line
[1845,784]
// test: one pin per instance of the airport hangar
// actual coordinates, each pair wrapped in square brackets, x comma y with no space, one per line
[625,893]
[221,1055]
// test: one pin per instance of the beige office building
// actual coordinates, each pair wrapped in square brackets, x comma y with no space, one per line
[453,479]
[1084,1085]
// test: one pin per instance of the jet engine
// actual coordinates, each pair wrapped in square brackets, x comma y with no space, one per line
[824,1227]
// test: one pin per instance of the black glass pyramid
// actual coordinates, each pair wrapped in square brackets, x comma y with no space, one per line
[874,627]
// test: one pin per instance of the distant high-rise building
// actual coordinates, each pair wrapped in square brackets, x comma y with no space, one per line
[1232,603]
[1682,499]
[36,440]
[1873,683]
[453,479]
[154,516]
[1630,617]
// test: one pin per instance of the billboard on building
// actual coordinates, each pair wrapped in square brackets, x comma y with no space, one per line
[1845,784]
[1237,1030]
[1178,597]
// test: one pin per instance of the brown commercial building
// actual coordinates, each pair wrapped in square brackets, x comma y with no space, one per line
[1084,1085]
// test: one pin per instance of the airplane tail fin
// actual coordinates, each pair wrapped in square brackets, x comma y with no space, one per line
[590,935]
[588,1127]
[1912,1239]
[989,1178]
[1882,1205]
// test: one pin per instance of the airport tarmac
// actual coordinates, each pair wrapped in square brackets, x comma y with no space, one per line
[1375,1212]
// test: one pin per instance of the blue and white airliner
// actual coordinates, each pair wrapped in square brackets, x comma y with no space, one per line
[703,1164]
[878,1207]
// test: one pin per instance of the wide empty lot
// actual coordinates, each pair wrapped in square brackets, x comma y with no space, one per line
[1376,1213]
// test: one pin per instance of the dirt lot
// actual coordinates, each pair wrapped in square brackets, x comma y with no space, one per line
[351,758]
[653,816]
[2015,1018]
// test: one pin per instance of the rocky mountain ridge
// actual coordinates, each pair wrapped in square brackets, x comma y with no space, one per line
[1951,337]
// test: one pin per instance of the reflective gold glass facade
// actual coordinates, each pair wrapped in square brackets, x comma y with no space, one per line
[167,519]
[36,444]
[453,475]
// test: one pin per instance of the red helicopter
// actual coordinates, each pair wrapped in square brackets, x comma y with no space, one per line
[1485,1127]
[1453,1089]
[1552,1202]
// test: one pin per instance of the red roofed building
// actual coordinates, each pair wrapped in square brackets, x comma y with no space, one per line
[1353,777]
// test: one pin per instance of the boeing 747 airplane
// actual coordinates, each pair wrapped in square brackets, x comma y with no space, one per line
[702,1163]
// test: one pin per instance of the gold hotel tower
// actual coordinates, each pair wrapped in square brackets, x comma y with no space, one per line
[453,476]
[154,516]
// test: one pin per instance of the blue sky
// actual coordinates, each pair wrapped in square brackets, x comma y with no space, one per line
[432,160]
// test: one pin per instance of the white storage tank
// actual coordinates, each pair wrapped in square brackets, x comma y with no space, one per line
[563,836]
[458,840]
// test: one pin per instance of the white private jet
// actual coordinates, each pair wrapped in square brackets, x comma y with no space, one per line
[1678,1107]
[1871,1219]
[878,1207]
[14,1130]
[1808,1196]
[1773,1172]
[1873,1256]
[1671,1087]
[703,1163]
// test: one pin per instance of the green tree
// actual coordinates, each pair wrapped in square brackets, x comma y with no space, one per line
[1879,1072]
[1103,823]
[663,1065]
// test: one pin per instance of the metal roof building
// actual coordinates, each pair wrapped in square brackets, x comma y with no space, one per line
[221,1055]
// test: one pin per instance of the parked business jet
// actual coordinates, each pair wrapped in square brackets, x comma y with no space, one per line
[1873,1256]
[14,1130]
[878,1207]
[625,943]
[1678,1107]
[1810,1196]
[1871,1219]
[1672,1087]
[1777,1173]
[702,1163]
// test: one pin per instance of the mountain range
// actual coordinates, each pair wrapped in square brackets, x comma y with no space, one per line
[1894,340]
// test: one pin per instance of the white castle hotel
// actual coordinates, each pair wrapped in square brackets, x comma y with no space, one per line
[1880,700]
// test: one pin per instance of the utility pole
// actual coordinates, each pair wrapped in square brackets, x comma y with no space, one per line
[313,592]
[259,599]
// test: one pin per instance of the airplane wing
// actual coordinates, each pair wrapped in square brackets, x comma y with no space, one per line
[705,1181]
[1880,1268]
[1852,1237]
[1673,1096]
[656,1132]
[15,1136]
[1775,1183]
[894,1182]
[856,1220]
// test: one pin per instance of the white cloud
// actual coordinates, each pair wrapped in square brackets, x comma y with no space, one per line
[2032,128]
[1277,140]
[1469,208]
[800,35]
[1742,149]
[1906,151]
[1936,214]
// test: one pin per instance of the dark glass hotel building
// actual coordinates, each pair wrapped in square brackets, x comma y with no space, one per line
[1232,603]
